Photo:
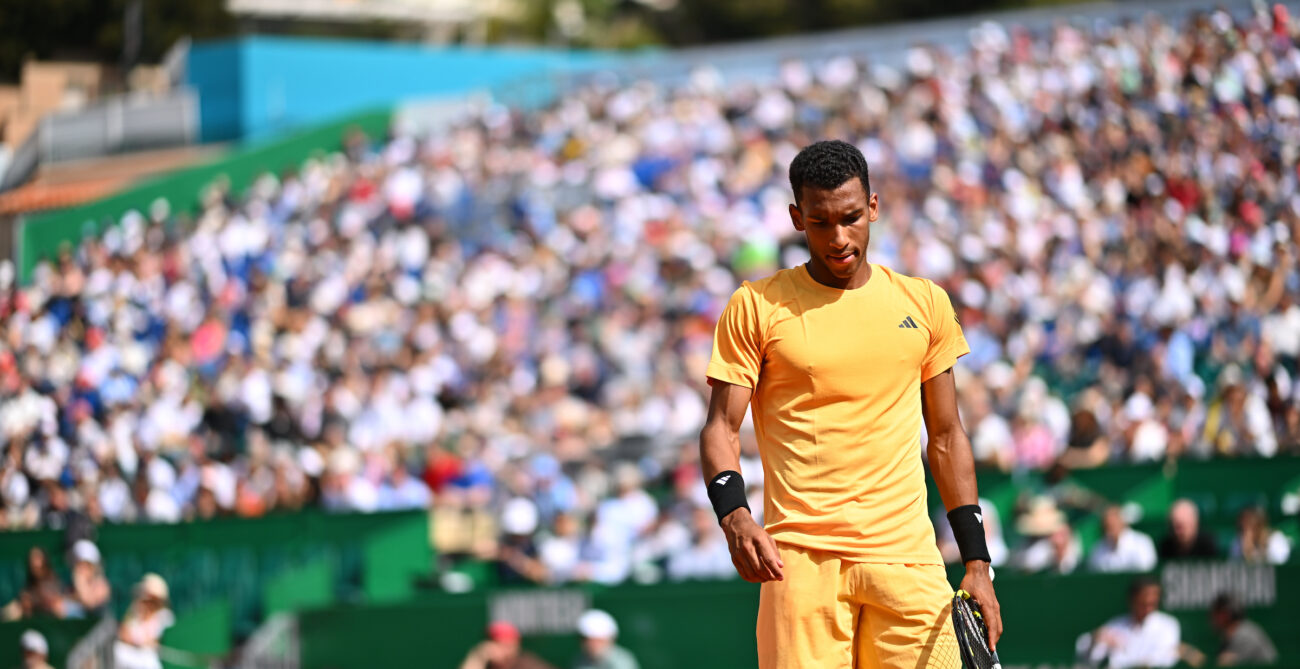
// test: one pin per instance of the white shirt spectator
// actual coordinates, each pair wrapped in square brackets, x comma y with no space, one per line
[992,438]
[1134,551]
[610,555]
[115,499]
[1042,556]
[1127,643]
[161,507]
[1278,550]
[361,495]
[668,539]
[1282,330]
[406,493]
[561,556]
[627,516]
[705,559]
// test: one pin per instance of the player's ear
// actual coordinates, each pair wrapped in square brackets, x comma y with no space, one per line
[796,217]
[873,208]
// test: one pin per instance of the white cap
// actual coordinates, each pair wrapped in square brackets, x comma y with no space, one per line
[84,551]
[34,642]
[519,516]
[596,624]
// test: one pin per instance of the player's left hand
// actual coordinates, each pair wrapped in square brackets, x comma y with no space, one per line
[979,584]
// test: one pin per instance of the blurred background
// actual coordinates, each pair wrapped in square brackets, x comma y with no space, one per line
[352,333]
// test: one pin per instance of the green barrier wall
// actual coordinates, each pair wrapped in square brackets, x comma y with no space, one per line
[277,562]
[1221,488]
[61,635]
[394,557]
[668,625]
[308,586]
[42,235]
[203,632]
[712,624]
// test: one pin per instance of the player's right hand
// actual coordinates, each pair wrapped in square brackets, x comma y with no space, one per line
[753,550]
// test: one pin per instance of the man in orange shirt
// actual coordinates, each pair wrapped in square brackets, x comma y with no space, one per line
[843,360]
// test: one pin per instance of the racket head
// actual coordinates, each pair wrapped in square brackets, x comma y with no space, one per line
[972,633]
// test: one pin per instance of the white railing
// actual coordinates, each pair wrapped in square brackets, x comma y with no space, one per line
[116,125]
[274,645]
[22,164]
[95,650]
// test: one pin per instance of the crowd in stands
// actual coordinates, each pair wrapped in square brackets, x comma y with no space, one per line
[45,594]
[89,595]
[508,320]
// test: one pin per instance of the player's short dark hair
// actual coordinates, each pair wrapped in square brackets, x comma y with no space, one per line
[1141,583]
[1226,604]
[826,165]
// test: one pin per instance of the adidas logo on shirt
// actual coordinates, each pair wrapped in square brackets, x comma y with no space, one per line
[908,323]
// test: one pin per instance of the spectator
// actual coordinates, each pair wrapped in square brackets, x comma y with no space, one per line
[141,629]
[1053,546]
[403,491]
[555,492]
[1144,637]
[1086,445]
[1121,547]
[1186,540]
[36,651]
[599,650]
[707,556]
[90,590]
[1256,541]
[561,552]
[1244,642]
[620,522]
[502,650]
[668,537]
[517,557]
[42,593]
[1239,422]
[632,510]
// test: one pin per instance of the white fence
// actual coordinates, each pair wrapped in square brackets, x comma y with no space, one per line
[274,645]
[95,650]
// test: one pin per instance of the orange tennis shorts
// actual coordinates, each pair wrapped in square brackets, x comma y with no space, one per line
[830,613]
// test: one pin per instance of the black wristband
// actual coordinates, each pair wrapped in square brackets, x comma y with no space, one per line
[968,529]
[727,492]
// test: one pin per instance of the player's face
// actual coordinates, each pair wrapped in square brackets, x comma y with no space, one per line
[837,225]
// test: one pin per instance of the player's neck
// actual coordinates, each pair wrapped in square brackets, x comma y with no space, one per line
[823,275]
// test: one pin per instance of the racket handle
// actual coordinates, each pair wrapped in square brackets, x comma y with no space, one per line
[997,664]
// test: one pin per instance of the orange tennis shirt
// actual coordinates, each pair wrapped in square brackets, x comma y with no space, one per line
[837,376]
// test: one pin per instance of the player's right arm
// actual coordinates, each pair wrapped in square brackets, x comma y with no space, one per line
[753,551]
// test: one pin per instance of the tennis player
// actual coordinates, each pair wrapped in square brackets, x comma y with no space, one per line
[841,361]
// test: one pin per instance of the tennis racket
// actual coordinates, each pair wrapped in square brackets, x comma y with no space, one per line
[972,633]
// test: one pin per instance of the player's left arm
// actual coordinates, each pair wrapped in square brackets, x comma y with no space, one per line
[953,468]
